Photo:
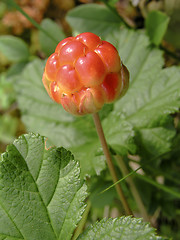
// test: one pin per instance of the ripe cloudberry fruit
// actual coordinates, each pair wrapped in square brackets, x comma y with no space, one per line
[84,73]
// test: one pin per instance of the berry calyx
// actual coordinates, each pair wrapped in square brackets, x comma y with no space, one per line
[84,73]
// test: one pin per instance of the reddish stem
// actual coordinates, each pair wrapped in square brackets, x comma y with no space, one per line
[100,133]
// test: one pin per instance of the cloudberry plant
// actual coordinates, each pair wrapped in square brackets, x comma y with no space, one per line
[84,73]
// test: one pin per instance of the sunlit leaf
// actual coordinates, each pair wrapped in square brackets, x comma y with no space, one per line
[41,195]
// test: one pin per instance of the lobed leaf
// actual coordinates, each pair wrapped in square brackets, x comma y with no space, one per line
[124,228]
[41,196]
[153,93]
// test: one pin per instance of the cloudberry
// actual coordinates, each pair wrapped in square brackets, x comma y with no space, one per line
[84,73]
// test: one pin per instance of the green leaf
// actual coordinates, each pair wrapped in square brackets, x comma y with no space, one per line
[119,134]
[91,157]
[156,25]
[41,193]
[93,18]
[14,48]
[48,45]
[155,141]
[153,94]
[161,97]
[124,228]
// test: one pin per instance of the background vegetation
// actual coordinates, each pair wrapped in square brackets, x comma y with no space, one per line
[142,129]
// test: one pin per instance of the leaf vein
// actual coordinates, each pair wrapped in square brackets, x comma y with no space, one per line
[141,68]
[41,198]
[12,220]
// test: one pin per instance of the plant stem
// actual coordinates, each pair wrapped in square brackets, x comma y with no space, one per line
[113,10]
[82,222]
[133,188]
[100,133]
